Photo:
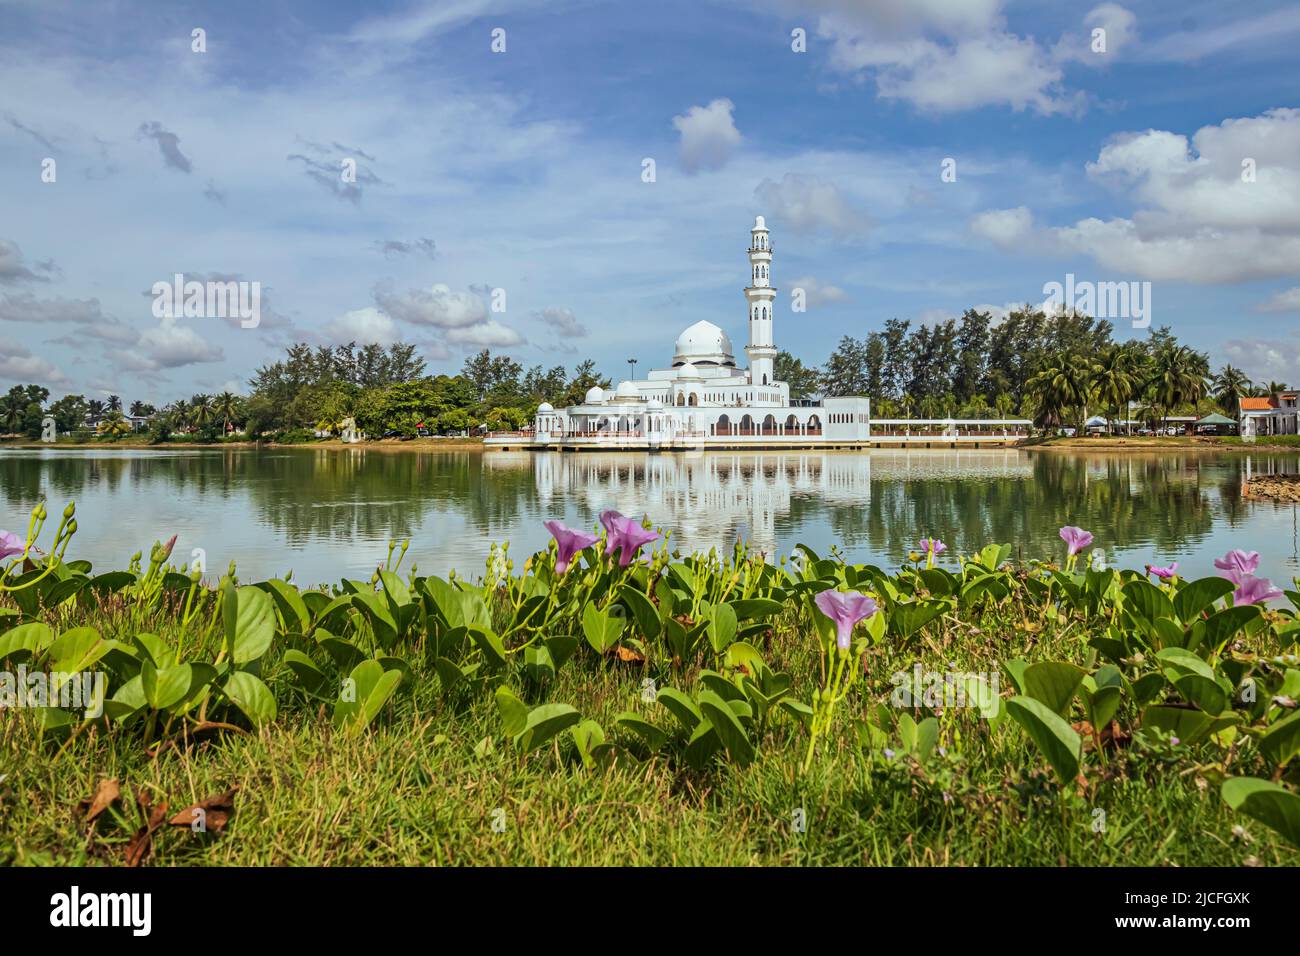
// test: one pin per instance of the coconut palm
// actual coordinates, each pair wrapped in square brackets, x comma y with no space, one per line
[1062,384]
[115,425]
[227,406]
[12,412]
[114,403]
[200,410]
[1178,377]
[95,409]
[1115,380]
[1230,386]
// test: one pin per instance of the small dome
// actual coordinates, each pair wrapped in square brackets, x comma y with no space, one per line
[703,341]
[759,223]
[595,395]
[655,404]
[688,371]
[545,407]
[627,390]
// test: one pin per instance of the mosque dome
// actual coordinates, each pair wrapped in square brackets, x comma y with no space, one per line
[627,390]
[703,344]
[688,371]
[546,407]
[595,396]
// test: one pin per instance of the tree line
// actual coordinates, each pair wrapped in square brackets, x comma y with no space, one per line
[1053,369]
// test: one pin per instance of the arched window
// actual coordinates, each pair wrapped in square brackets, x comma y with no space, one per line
[681,399]
[765,381]
[691,401]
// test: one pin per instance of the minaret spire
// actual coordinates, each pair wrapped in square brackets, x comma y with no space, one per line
[761,297]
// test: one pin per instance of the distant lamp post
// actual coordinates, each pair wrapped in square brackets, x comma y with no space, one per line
[632,362]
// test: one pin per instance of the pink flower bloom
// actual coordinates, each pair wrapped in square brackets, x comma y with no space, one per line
[1237,565]
[569,543]
[927,545]
[846,609]
[612,521]
[625,535]
[632,537]
[10,545]
[1076,538]
[1163,573]
[1253,590]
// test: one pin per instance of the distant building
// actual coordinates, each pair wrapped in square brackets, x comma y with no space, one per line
[1270,415]
[704,400]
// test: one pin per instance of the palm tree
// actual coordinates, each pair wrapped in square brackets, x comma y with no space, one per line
[1061,385]
[114,403]
[1230,386]
[1178,377]
[227,406]
[200,410]
[1005,403]
[12,412]
[115,425]
[1114,380]
[137,408]
[95,409]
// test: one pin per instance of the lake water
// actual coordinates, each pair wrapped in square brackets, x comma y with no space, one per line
[327,513]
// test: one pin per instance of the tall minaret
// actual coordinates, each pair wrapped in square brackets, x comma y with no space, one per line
[761,297]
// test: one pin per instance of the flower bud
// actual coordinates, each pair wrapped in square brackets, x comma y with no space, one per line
[70,510]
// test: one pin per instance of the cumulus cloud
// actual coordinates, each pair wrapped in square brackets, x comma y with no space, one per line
[89,319]
[366,326]
[437,306]
[1119,26]
[490,334]
[817,292]
[949,55]
[563,321]
[808,204]
[169,345]
[708,135]
[1224,207]
[168,145]
[17,364]
[1275,359]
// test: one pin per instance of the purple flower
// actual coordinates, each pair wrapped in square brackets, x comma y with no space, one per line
[612,521]
[928,545]
[1163,573]
[569,542]
[1076,538]
[10,544]
[1253,590]
[1237,565]
[846,609]
[626,535]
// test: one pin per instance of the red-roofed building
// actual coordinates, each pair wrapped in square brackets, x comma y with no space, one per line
[1271,415]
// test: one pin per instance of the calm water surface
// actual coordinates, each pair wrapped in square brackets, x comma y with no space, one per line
[326,513]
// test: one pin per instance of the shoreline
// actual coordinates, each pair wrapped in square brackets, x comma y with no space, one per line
[1123,444]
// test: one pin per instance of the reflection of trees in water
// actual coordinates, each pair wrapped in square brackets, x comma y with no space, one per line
[877,504]
[1126,500]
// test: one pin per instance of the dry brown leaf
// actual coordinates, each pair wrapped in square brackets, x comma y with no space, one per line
[628,656]
[141,845]
[107,793]
[217,811]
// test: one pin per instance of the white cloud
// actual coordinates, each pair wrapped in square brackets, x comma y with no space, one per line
[809,204]
[438,306]
[171,345]
[1005,228]
[1274,359]
[490,334]
[1200,218]
[366,326]
[709,135]
[1287,300]
[948,56]
[18,364]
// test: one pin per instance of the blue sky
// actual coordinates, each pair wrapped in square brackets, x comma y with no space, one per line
[522,171]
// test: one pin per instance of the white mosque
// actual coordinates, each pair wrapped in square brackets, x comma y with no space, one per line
[705,400]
